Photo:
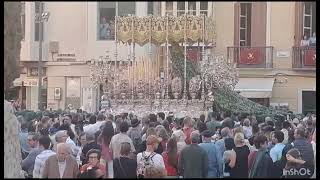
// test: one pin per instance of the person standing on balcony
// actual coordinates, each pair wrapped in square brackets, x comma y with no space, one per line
[304,41]
[312,40]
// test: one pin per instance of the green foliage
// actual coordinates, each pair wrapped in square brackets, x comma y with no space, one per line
[224,98]
[177,54]
[228,100]
[12,42]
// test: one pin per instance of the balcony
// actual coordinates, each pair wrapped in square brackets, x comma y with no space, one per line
[251,56]
[304,58]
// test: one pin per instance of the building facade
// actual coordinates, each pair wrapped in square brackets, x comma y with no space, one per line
[262,38]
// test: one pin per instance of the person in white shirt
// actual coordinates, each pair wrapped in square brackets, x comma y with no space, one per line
[155,159]
[93,128]
[116,140]
[304,41]
[247,128]
[44,144]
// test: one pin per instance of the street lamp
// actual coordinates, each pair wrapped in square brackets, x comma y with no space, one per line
[40,17]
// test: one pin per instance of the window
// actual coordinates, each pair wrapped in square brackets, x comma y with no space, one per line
[33,71]
[192,8]
[150,7]
[186,7]
[23,19]
[181,8]
[245,24]
[106,15]
[37,23]
[204,8]
[308,101]
[309,19]
[169,8]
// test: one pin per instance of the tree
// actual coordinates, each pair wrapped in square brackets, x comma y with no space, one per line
[12,42]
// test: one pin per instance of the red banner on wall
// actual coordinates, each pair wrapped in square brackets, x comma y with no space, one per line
[193,54]
[310,57]
[250,56]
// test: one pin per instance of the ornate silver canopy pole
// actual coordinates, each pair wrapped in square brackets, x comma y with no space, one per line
[132,56]
[167,57]
[150,53]
[115,55]
[185,95]
[203,56]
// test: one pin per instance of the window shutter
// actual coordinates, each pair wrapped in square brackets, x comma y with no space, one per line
[236,23]
[258,23]
[298,23]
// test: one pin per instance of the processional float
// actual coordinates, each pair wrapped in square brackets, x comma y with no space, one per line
[136,85]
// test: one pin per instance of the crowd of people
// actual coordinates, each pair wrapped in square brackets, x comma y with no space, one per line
[215,145]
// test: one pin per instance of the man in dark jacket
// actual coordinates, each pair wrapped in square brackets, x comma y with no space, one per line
[193,161]
[262,166]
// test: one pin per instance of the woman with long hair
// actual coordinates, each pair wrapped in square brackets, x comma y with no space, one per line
[170,158]
[240,170]
[104,140]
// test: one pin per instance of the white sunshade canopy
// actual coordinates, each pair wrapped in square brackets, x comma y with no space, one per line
[255,87]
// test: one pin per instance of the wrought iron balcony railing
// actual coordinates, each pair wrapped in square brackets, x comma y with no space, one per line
[304,57]
[251,56]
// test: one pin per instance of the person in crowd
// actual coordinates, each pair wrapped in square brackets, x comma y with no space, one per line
[247,128]
[229,157]
[261,166]
[92,119]
[62,164]
[214,156]
[135,133]
[23,138]
[313,142]
[225,133]
[90,144]
[116,140]
[187,129]
[44,144]
[44,125]
[82,143]
[149,163]
[93,128]
[171,157]
[161,117]
[91,173]
[255,132]
[162,133]
[166,125]
[71,136]
[28,163]
[193,160]
[104,140]
[312,39]
[93,158]
[180,138]
[212,122]
[143,147]
[201,126]
[124,166]
[105,29]
[296,167]
[62,137]
[304,41]
[240,170]
[285,129]
[276,151]
[304,147]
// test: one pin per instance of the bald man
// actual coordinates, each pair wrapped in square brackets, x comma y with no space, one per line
[62,164]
